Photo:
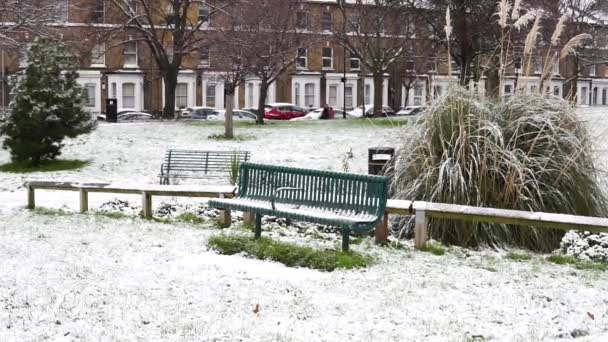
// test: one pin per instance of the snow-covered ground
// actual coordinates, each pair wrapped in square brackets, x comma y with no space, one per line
[87,277]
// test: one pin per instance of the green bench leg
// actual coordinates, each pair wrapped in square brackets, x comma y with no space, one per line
[258,226]
[345,239]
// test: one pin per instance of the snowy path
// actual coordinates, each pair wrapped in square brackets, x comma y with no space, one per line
[87,278]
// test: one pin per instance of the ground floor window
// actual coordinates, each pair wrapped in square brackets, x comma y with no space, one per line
[333,95]
[309,94]
[210,95]
[368,94]
[181,95]
[348,97]
[296,89]
[128,95]
[91,89]
[418,95]
[250,88]
[584,95]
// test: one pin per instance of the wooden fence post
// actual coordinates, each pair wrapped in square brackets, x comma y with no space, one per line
[225,216]
[249,219]
[146,199]
[31,197]
[84,201]
[382,231]
[421,234]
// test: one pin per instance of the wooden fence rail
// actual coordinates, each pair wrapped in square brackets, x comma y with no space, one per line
[422,211]
[146,193]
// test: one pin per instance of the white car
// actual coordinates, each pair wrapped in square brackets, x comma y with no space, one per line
[315,114]
[237,114]
[369,109]
[410,110]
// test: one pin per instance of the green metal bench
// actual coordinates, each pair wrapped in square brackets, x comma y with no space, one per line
[199,164]
[354,203]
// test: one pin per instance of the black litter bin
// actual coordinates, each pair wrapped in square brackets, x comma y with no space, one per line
[378,158]
[111,110]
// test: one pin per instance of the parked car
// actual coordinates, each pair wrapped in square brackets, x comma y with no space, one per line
[368,111]
[283,111]
[201,113]
[254,110]
[237,114]
[128,115]
[410,110]
[316,114]
[185,113]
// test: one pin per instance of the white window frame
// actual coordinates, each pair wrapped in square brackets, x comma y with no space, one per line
[324,21]
[349,99]
[326,58]
[96,12]
[181,99]
[367,94]
[302,58]
[350,64]
[204,63]
[309,97]
[296,88]
[113,92]
[130,53]
[332,95]
[593,70]
[418,98]
[98,55]
[126,97]
[213,86]
[91,89]
[207,22]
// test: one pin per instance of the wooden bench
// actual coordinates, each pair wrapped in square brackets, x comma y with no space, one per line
[146,192]
[199,164]
[354,203]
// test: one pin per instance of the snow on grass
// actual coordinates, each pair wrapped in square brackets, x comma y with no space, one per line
[90,277]
[85,277]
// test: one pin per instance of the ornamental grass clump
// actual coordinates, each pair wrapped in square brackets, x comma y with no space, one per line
[527,153]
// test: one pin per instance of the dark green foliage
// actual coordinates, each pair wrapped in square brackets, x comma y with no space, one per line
[47,108]
[528,153]
[43,166]
[286,253]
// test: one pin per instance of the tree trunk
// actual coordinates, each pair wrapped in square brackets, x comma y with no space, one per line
[229,120]
[407,96]
[262,101]
[361,89]
[170,79]
[378,96]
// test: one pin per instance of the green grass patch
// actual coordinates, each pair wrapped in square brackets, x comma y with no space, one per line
[112,214]
[519,256]
[579,264]
[238,137]
[50,212]
[189,218]
[434,249]
[289,254]
[45,166]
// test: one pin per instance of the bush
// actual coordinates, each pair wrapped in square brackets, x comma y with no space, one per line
[529,153]
[288,254]
[47,108]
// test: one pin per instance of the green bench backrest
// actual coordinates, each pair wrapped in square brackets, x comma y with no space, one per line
[323,189]
[203,161]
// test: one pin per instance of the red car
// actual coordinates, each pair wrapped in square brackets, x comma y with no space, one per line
[283,111]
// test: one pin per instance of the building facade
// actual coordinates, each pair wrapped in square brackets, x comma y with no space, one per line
[324,73]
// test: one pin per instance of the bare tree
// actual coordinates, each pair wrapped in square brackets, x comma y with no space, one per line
[230,49]
[170,32]
[582,17]
[269,40]
[377,32]
[20,18]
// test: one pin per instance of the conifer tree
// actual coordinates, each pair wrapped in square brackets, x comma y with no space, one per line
[47,106]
